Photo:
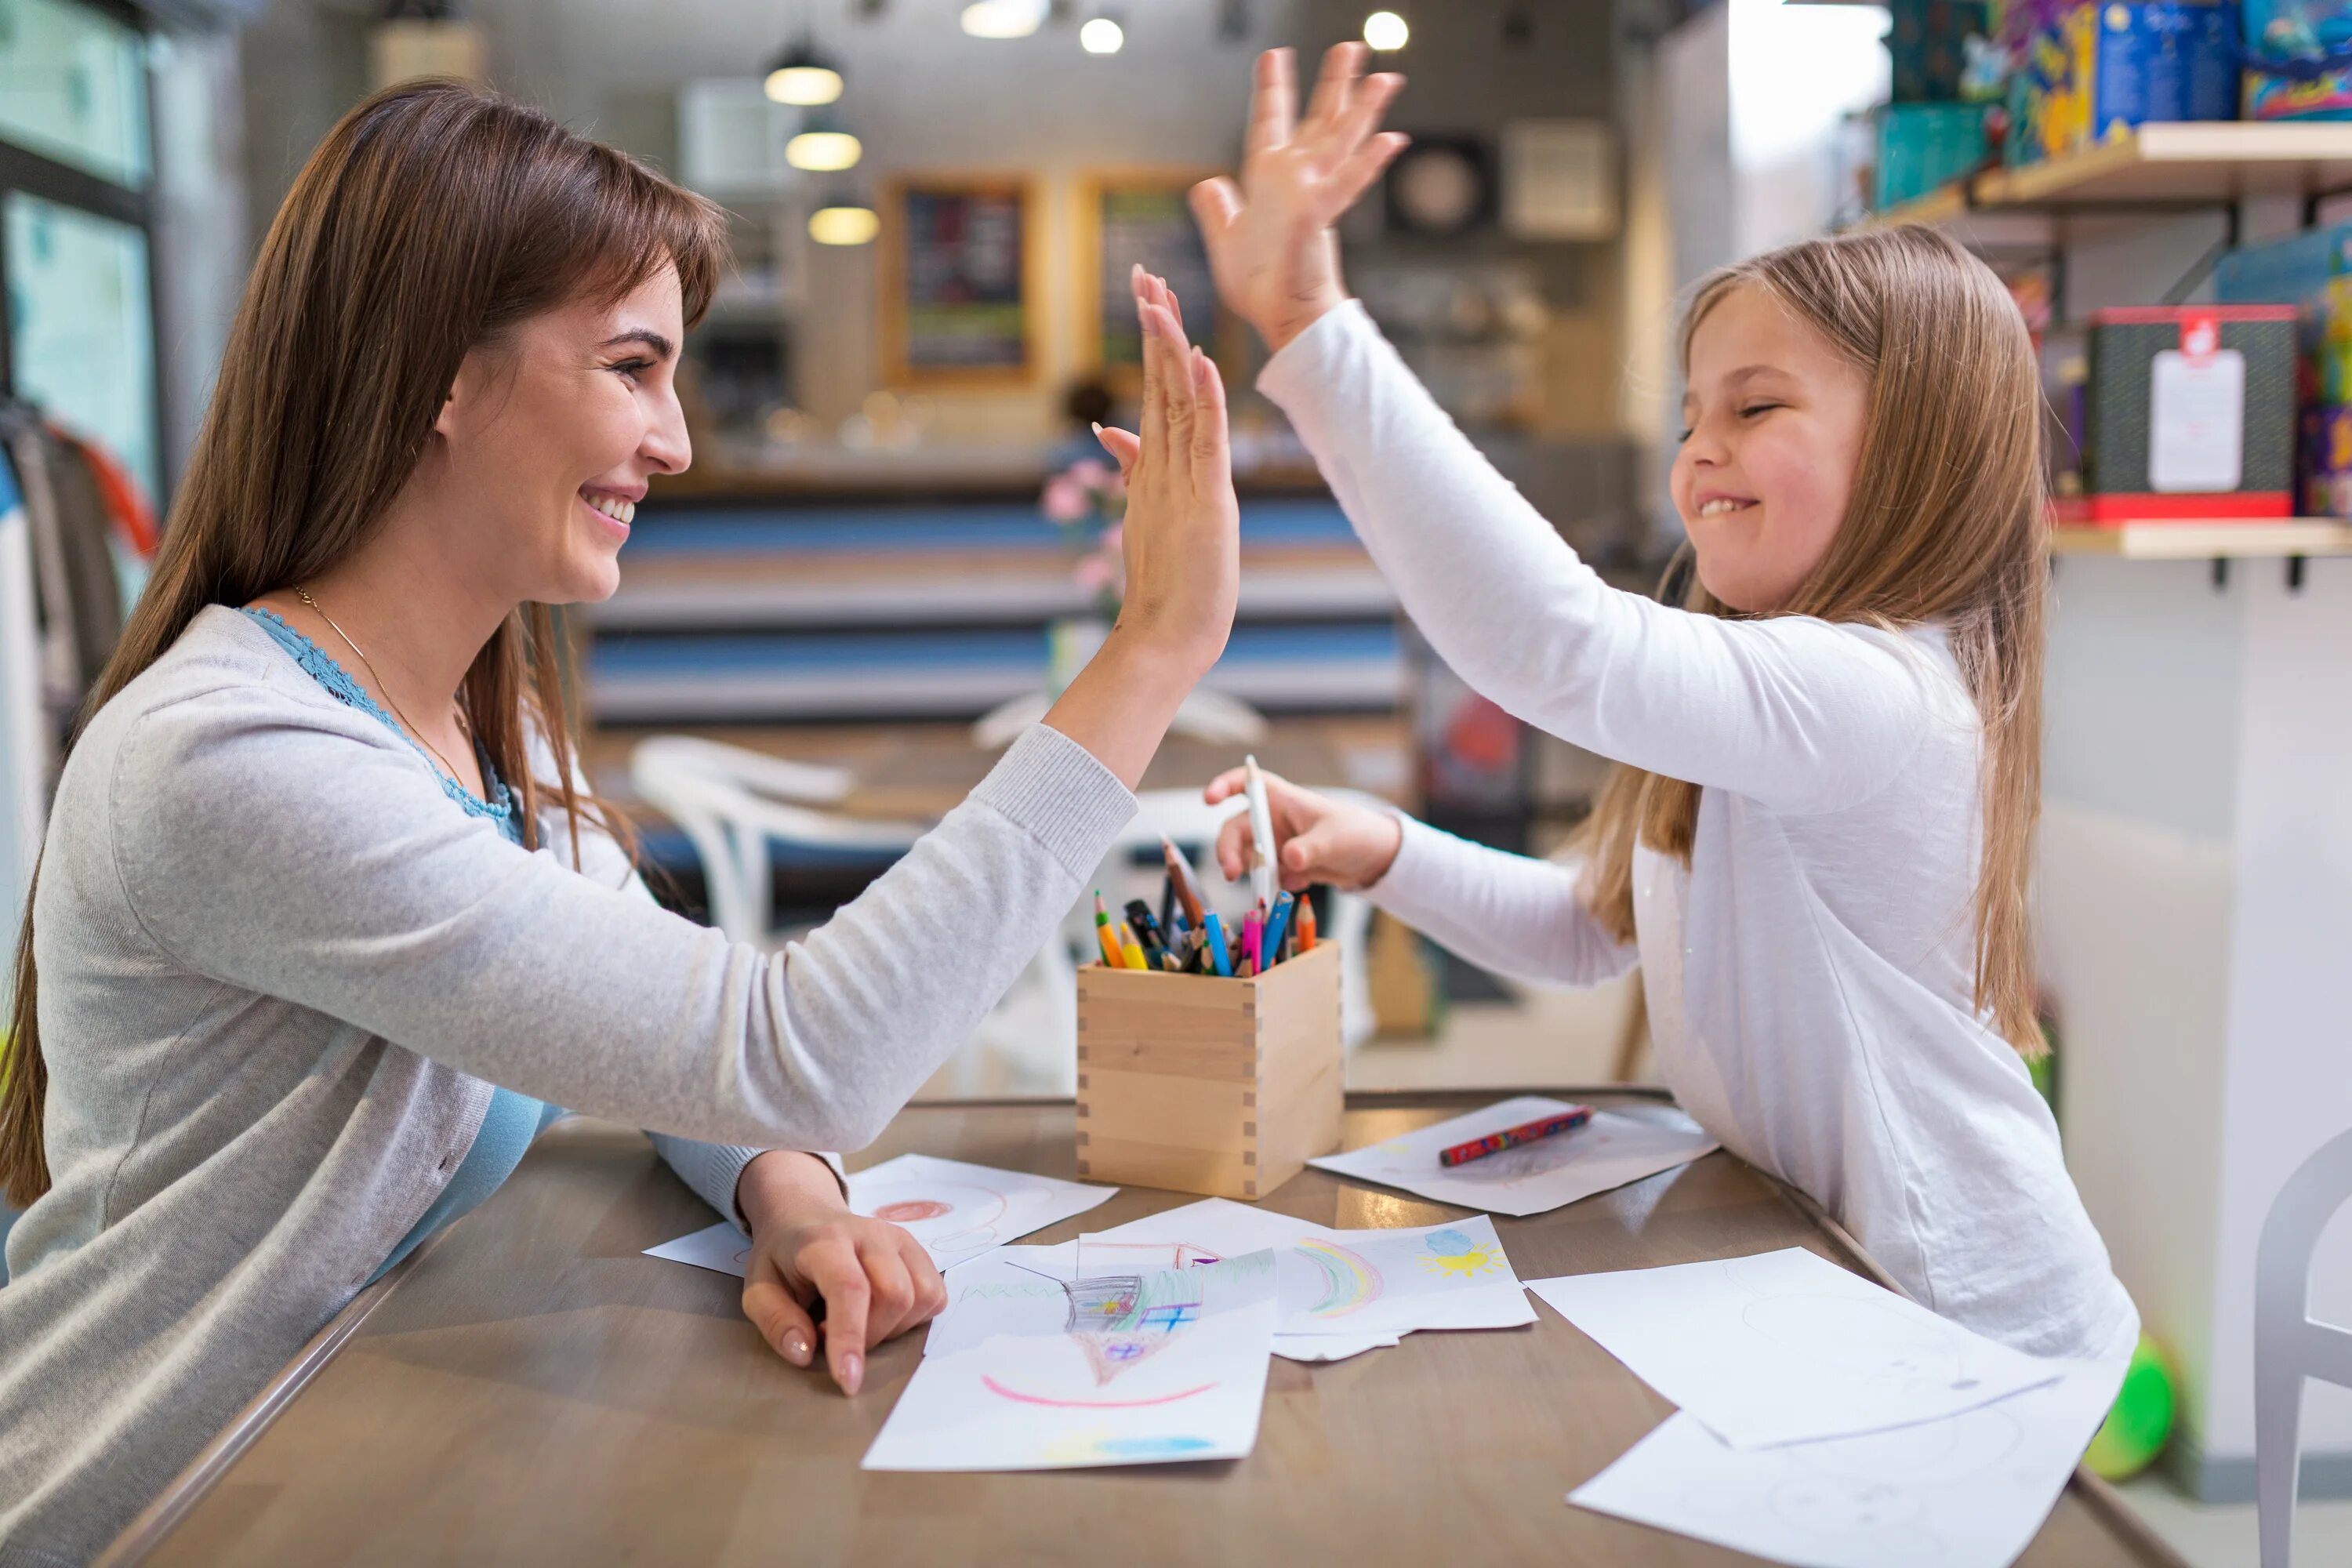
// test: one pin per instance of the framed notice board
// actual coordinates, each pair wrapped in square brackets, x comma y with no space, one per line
[959,284]
[1129,215]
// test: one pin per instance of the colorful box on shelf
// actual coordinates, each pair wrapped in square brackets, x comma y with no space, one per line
[2084,72]
[1923,145]
[2298,59]
[1200,1084]
[2173,413]
[1927,46]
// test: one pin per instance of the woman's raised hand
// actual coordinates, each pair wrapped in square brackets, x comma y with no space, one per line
[1271,247]
[1181,536]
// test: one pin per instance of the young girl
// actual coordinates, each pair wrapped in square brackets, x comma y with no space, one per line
[1816,841]
[325,923]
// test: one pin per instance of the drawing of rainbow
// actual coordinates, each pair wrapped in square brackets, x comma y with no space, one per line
[1349,1281]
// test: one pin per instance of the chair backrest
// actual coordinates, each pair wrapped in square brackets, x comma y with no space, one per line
[2288,1345]
[733,804]
[2319,1187]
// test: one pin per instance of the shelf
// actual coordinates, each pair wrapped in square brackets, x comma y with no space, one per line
[2185,163]
[2194,541]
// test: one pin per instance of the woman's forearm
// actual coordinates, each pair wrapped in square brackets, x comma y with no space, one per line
[1121,704]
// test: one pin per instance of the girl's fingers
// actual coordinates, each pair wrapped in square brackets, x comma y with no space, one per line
[1334,86]
[1123,448]
[1273,93]
[1364,110]
[1225,785]
[1216,205]
[1356,174]
[1233,841]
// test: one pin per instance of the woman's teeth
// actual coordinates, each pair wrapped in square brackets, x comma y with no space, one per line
[1718,507]
[619,510]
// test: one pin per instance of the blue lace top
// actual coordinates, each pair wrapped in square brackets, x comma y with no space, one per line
[513,1119]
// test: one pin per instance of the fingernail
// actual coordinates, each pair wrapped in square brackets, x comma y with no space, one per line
[1097,426]
[852,1372]
[796,1350]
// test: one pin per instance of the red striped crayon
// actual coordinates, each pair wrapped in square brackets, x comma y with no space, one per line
[1567,1120]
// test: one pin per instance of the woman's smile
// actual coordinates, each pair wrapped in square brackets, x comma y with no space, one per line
[611,510]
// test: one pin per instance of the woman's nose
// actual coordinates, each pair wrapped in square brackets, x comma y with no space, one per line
[667,446]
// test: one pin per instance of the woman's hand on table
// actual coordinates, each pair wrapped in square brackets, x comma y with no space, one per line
[1315,838]
[1275,261]
[1181,539]
[874,1280]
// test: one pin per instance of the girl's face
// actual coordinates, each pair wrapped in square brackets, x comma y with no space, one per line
[1773,418]
[549,438]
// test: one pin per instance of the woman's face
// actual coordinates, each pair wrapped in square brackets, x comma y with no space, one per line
[1774,418]
[549,437]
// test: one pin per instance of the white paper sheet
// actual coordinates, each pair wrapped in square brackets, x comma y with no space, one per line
[1131,1369]
[958,1211]
[1968,1491]
[1342,1291]
[1786,1347]
[720,1248]
[1614,1147]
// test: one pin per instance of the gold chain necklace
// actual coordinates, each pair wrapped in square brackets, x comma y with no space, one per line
[304,594]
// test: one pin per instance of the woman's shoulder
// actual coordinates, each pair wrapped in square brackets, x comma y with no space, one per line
[224,703]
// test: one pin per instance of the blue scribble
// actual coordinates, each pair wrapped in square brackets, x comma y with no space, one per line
[1448,1243]
[1150,1448]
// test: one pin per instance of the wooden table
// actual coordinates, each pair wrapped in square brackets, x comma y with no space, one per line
[527,1389]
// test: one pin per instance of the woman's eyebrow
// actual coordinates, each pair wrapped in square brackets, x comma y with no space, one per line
[661,346]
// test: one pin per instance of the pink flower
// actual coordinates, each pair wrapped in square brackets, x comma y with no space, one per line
[1067,499]
[1094,573]
[1095,474]
[1114,541]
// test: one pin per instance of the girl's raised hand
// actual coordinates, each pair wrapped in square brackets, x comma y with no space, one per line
[1271,247]
[1317,838]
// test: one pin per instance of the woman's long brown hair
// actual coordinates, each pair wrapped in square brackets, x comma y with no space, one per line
[1947,523]
[430,221]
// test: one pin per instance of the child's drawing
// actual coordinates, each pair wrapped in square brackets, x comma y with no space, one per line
[1450,1254]
[1611,1150]
[1349,1283]
[959,1211]
[1132,1367]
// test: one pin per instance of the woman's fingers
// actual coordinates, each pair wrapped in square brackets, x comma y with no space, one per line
[779,1317]
[1123,448]
[830,1267]
[890,1292]
[1212,465]
[1152,427]
[1274,92]
[1175,375]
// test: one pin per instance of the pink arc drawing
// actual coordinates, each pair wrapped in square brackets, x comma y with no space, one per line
[1014,1394]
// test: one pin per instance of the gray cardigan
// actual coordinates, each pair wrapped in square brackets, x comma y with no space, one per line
[280,971]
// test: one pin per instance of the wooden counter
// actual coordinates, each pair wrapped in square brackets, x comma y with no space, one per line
[527,1389]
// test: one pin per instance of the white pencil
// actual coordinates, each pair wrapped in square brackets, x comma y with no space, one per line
[1261,835]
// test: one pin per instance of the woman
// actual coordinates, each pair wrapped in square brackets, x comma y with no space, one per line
[320,872]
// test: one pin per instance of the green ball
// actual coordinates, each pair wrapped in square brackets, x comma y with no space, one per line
[2140,1419]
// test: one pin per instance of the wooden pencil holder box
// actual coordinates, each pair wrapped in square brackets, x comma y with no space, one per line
[1203,1084]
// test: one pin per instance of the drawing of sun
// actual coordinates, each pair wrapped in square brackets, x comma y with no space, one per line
[1455,1256]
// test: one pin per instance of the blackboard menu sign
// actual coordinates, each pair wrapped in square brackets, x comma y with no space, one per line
[957,302]
[1145,216]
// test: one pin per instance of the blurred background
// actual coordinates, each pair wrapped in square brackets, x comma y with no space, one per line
[898,540]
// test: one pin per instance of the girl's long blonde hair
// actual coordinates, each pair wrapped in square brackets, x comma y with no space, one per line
[1947,523]
[430,221]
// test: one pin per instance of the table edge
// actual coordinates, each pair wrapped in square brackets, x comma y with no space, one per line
[196,1480]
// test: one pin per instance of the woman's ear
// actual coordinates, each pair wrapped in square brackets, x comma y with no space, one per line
[469,387]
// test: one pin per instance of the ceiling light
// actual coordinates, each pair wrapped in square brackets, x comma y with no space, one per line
[1101,37]
[1004,18]
[1386,31]
[844,226]
[825,151]
[803,77]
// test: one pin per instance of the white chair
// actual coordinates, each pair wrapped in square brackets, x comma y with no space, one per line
[2289,1346]
[1203,715]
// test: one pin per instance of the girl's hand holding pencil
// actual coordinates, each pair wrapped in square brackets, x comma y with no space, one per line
[1315,838]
